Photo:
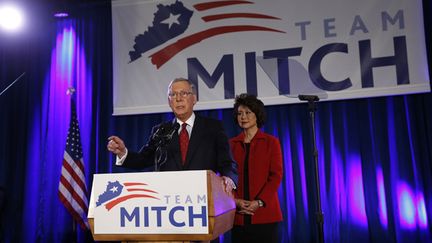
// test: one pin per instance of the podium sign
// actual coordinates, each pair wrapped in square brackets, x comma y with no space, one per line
[150,203]
[189,205]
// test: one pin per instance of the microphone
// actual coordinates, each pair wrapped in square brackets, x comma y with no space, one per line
[161,137]
[165,132]
[173,130]
[308,97]
[159,132]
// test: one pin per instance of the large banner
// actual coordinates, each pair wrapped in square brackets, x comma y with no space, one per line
[276,49]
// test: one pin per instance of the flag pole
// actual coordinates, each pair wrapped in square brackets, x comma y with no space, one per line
[71,91]
[74,231]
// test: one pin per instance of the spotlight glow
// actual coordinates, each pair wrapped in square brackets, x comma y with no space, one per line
[407,206]
[421,211]
[356,193]
[382,206]
[11,18]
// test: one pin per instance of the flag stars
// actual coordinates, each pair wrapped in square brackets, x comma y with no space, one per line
[172,19]
[114,189]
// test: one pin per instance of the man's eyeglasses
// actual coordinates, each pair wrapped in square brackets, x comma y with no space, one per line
[182,94]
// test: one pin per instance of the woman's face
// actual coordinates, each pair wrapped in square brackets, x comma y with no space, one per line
[246,118]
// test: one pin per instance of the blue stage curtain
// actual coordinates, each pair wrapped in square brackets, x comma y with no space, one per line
[374,155]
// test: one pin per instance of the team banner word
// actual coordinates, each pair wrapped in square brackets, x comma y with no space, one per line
[276,49]
[150,203]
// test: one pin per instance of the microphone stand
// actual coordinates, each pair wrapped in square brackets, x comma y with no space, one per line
[311,99]
[10,85]
[161,153]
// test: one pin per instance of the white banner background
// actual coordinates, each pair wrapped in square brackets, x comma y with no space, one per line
[224,64]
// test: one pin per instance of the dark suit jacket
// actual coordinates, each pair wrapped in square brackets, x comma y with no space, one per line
[208,150]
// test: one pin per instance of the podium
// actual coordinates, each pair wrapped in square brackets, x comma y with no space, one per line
[202,213]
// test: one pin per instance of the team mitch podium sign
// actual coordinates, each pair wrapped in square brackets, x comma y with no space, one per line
[154,203]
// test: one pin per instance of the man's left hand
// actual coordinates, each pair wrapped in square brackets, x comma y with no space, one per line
[228,184]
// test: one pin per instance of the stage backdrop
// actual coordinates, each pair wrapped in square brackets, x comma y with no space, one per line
[276,49]
[375,157]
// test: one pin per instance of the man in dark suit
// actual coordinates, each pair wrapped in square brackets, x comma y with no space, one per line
[207,149]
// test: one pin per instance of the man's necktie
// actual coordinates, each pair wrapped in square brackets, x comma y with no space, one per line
[184,142]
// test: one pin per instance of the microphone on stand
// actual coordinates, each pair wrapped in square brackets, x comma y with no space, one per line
[173,130]
[10,85]
[162,136]
[165,132]
[159,133]
[308,97]
[311,99]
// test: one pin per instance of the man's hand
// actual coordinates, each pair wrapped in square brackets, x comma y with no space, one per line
[116,146]
[228,184]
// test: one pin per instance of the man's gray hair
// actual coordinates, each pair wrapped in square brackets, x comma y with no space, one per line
[183,80]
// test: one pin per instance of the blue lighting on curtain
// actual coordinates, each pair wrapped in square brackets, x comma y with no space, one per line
[412,209]
[68,68]
[419,199]
[65,55]
[302,171]
[407,207]
[421,210]
[382,209]
[333,178]
[356,193]
[286,191]
[337,180]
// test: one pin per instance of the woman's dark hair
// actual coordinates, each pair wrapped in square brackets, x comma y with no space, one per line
[254,104]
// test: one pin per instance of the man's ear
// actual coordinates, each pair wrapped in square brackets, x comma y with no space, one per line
[195,99]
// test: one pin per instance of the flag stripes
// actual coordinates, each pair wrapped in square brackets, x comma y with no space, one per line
[72,186]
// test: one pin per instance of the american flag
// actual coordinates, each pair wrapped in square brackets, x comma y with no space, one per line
[72,186]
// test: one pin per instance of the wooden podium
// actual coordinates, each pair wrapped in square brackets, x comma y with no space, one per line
[221,211]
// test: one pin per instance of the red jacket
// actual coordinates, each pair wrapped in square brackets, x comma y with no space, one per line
[265,175]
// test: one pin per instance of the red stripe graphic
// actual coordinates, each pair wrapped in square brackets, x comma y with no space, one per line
[111,204]
[237,15]
[161,57]
[134,184]
[218,4]
[141,190]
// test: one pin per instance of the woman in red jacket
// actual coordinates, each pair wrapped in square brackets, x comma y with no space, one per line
[259,159]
